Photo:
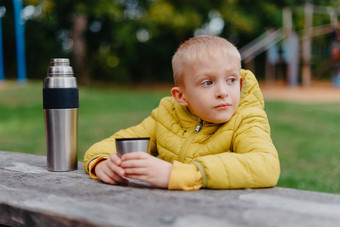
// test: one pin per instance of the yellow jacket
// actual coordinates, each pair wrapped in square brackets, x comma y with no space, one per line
[236,154]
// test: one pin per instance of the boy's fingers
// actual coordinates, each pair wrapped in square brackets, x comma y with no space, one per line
[135,171]
[135,155]
[105,178]
[113,169]
[115,159]
[112,178]
[138,177]
[134,163]
[119,179]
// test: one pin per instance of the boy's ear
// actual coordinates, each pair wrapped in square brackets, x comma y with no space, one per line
[177,93]
[241,83]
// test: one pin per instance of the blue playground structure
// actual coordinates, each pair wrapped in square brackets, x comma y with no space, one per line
[20,43]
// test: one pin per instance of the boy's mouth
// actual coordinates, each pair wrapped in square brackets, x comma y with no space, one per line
[222,106]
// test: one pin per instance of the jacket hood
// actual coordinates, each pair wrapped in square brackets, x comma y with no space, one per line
[251,95]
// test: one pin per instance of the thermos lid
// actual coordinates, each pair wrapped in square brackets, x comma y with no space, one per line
[60,61]
[60,74]
[60,67]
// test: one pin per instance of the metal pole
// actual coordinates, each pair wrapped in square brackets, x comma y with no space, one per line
[20,41]
[307,46]
[2,70]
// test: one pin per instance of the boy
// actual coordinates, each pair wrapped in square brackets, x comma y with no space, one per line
[213,131]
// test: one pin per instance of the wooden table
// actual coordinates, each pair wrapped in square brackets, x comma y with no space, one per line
[32,196]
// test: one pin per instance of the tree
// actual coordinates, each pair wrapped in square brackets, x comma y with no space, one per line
[134,40]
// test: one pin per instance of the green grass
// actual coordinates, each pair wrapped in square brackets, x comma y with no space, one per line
[101,113]
[307,136]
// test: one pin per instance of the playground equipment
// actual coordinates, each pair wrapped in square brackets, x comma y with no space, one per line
[292,42]
[20,43]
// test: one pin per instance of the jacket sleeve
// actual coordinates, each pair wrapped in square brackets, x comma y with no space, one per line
[185,177]
[104,148]
[253,161]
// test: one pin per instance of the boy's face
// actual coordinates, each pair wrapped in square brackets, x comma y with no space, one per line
[211,88]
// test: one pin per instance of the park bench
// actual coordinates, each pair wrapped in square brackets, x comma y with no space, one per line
[32,196]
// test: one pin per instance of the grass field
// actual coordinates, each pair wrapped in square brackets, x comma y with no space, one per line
[307,136]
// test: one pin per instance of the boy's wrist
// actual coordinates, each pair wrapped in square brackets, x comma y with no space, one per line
[93,164]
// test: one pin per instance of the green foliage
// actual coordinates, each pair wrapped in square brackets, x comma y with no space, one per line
[128,41]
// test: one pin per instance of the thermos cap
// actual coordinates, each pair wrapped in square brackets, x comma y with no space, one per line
[60,74]
[60,61]
[60,67]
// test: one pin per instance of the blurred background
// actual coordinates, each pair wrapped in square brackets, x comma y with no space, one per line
[121,53]
[132,41]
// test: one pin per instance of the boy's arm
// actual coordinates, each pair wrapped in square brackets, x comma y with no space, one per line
[104,148]
[253,163]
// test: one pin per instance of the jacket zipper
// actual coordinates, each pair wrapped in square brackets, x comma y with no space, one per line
[189,140]
[198,127]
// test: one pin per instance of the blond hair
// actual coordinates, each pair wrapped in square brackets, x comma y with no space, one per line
[196,48]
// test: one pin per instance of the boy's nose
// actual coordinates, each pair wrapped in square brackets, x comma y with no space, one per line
[221,92]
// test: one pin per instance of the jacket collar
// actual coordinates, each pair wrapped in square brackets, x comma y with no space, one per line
[190,121]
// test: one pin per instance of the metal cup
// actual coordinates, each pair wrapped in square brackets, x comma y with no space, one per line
[127,145]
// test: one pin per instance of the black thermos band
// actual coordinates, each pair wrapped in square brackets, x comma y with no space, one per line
[60,98]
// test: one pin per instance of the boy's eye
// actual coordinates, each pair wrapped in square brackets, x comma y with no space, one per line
[207,83]
[231,80]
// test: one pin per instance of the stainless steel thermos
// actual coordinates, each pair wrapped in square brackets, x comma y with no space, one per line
[61,103]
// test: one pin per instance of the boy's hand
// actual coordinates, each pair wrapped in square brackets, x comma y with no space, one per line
[145,167]
[109,171]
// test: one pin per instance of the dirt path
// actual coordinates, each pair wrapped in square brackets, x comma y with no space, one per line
[321,92]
